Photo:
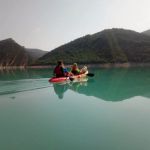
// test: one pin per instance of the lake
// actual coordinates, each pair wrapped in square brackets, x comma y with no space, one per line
[110,111]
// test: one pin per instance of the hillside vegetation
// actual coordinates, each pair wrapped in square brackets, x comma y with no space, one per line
[12,54]
[147,32]
[107,46]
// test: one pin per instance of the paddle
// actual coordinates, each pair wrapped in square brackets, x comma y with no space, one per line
[90,74]
[71,78]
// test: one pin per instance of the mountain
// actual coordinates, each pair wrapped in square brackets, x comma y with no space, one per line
[12,54]
[108,46]
[147,32]
[35,53]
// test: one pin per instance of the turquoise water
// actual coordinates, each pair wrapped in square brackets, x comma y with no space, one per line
[109,111]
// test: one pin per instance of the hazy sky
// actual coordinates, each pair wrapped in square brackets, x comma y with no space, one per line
[47,24]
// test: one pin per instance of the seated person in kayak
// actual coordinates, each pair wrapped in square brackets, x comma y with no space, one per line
[74,69]
[60,70]
[84,70]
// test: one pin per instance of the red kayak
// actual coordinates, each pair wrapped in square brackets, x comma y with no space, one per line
[60,79]
[66,79]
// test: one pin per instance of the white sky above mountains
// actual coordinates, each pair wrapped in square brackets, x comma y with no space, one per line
[47,24]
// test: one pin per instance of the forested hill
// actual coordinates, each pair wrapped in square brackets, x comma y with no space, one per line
[107,46]
[35,53]
[147,32]
[12,54]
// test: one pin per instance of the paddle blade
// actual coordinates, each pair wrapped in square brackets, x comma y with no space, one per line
[71,78]
[90,74]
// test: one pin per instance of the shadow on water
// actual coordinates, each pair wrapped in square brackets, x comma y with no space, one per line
[112,84]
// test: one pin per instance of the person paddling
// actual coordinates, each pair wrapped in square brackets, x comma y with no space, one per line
[59,69]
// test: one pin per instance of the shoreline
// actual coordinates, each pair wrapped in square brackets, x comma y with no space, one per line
[107,65]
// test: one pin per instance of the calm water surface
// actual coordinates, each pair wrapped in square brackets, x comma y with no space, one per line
[110,111]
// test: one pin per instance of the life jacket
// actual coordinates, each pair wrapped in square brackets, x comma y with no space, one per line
[59,71]
[75,70]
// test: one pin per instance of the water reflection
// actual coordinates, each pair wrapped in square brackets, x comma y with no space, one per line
[115,84]
[60,89]
[112,84]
